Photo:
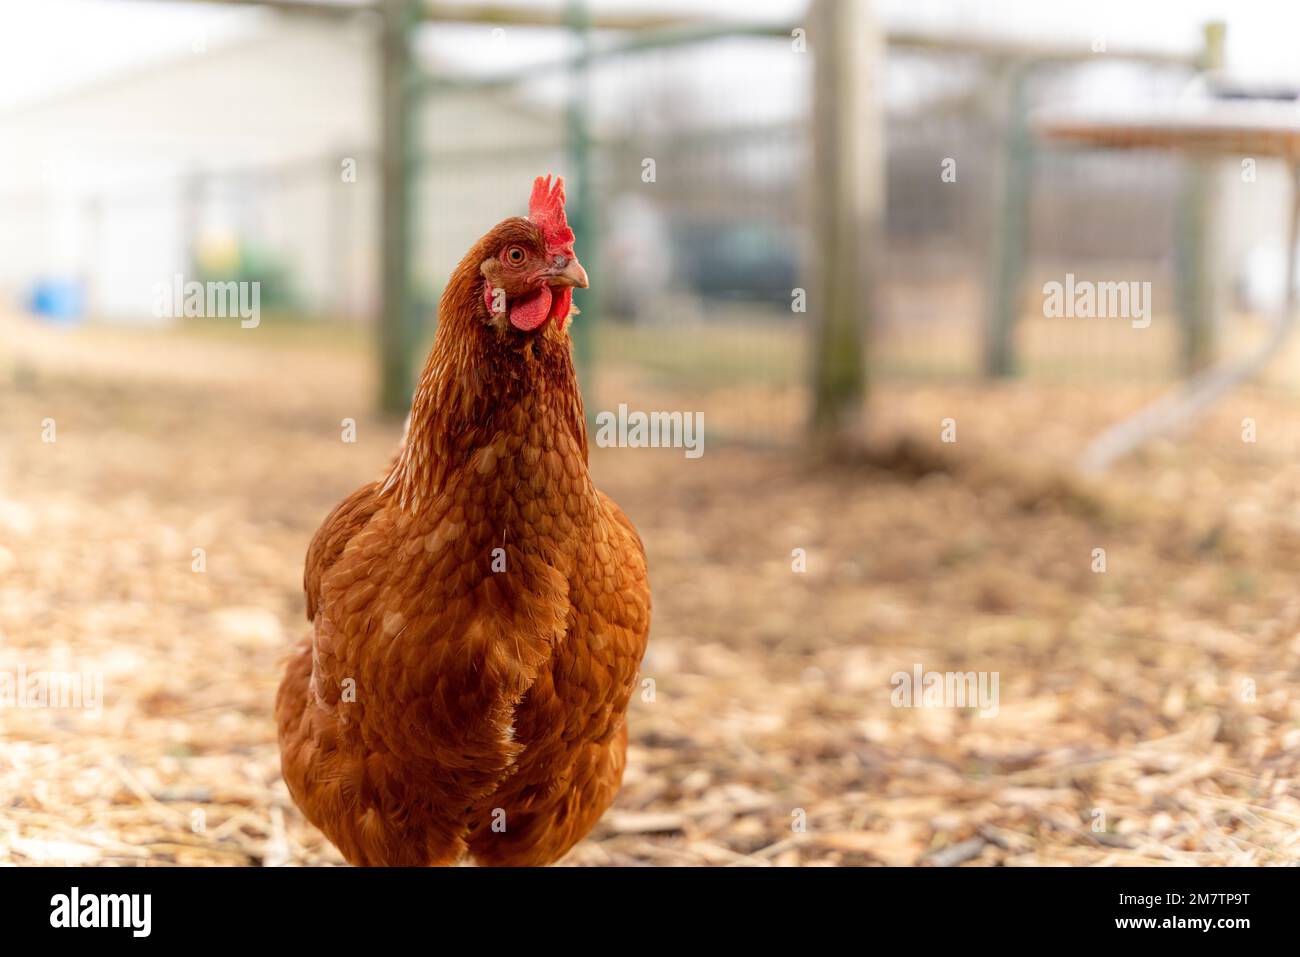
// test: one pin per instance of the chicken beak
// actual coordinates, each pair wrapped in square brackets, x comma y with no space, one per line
[571,275]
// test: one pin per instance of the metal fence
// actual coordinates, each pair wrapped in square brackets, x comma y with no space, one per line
[695,148]
[701,263]
[697,235]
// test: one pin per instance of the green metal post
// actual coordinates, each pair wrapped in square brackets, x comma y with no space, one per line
[582,202]
[398,323]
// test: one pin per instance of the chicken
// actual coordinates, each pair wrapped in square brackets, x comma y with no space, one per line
[479,614]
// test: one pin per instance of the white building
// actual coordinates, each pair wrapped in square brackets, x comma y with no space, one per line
[245,144]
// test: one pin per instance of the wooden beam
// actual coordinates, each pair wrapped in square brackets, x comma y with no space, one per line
[670,37]
[507,14]
[510,15]
[1226,128]
[847,180]
[998,48]
[319,8]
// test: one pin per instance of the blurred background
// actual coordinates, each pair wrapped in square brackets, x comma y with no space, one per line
[829,228]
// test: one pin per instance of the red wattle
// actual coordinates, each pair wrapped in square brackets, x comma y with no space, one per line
[529,313]
[562,305]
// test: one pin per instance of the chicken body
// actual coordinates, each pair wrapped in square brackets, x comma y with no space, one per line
[479,615]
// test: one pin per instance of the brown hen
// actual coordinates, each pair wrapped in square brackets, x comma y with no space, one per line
[479,615]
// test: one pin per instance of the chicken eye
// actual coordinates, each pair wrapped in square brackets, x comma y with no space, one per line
[515,255]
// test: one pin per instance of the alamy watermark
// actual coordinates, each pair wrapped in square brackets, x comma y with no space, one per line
[651,430]
[946,689]
[1084,299]
[133,912]
[209,300]
[70,690]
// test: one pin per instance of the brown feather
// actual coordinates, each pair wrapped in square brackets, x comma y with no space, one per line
[435,697]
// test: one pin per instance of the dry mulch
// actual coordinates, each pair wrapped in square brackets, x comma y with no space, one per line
[1147,714]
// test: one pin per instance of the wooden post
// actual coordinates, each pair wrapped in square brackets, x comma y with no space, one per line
[848,206]
[1195,279]
[1007,252]
[398,323]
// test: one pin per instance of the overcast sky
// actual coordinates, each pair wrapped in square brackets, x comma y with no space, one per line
[51,45]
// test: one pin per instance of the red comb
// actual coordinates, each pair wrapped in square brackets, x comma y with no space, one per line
[546,210]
